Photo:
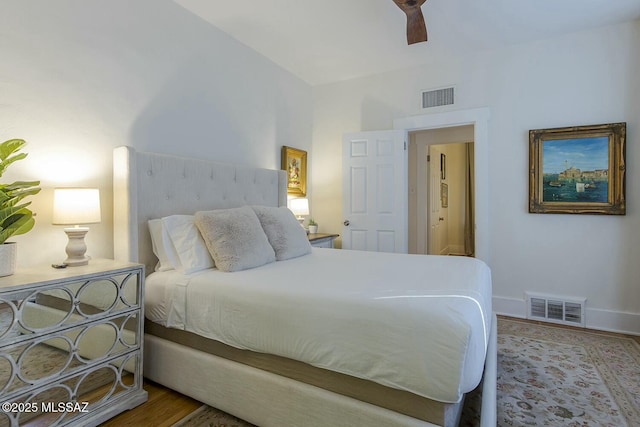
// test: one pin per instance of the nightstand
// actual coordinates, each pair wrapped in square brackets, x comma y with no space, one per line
[319,240]
[71,343]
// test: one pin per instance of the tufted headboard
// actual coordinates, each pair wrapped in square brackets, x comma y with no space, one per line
[151,185]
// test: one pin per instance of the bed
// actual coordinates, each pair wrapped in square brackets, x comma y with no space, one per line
[407,357]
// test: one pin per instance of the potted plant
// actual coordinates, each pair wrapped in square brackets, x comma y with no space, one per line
[313,226]
[15,218]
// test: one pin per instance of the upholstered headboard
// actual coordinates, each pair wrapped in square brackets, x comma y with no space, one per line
[151,185]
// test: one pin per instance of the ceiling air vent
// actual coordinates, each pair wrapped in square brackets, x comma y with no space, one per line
[437,97]
[550,308]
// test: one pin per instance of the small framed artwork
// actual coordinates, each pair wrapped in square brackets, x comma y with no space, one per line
[443,167]
[578,170]
[294,161]
[444,195]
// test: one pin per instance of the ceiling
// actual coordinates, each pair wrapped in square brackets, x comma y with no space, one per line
[323,41]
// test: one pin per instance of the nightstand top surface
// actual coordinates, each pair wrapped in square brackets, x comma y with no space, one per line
[45,273]
[317,236]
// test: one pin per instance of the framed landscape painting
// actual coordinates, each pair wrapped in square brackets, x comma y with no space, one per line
[578,170]
[294,161]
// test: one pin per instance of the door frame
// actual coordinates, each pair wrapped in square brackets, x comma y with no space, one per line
[479,118]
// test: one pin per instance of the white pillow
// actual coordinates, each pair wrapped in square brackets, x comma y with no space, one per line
[162,247]
[286,236]
[235,238]
[188,243]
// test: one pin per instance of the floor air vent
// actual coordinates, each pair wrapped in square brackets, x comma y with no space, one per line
[556,309]
[437,97]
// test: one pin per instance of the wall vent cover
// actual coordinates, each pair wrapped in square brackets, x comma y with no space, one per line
[438,97]
[555,309]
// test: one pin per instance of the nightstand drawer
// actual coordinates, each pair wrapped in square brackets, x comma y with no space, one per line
[42,308]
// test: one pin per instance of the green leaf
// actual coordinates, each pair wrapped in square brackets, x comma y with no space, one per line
[8,214]
[15,218]
[19,185]
[13,197]
[22,224]
[9,147]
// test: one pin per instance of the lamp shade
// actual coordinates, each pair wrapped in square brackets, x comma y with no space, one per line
[299,206]
[74,206]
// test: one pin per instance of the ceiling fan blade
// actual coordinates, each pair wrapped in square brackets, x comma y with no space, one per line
[416,27]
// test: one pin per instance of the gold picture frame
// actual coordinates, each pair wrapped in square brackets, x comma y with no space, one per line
[578,170]
[294,162]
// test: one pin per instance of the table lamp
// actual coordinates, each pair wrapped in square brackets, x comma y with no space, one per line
[76,206]
[299,207]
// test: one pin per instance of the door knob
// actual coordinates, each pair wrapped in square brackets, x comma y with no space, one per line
[346,223]
[441,219]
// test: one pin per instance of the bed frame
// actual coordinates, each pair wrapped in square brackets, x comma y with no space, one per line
[149,185]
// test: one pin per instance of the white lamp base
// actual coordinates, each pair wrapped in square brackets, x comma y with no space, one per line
[76,247]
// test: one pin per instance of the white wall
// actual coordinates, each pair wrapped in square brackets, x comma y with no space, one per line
[583,78]
[79,78]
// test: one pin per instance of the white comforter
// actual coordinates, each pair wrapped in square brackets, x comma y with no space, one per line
[412,322]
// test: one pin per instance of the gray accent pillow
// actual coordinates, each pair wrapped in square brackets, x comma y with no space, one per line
[234,238]
[288,238]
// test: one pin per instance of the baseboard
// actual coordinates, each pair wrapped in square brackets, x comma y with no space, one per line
[613,321]
[512,307]
[602,320]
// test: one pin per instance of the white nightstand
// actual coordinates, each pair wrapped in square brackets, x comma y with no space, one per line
[319,240]
[71,343]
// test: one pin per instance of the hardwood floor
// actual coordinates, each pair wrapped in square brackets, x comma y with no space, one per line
[165,407]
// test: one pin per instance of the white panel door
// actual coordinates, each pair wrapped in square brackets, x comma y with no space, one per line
[374,168]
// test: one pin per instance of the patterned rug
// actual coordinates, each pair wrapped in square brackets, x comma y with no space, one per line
[547,376]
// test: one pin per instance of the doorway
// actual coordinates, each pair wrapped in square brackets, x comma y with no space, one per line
[441,192]
[479,118]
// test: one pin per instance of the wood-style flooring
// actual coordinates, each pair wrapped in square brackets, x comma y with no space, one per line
[165,407]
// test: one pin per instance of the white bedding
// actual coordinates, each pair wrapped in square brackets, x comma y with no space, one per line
[412,322]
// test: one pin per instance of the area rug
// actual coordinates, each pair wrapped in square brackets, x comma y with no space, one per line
[547,376]
[550,376]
